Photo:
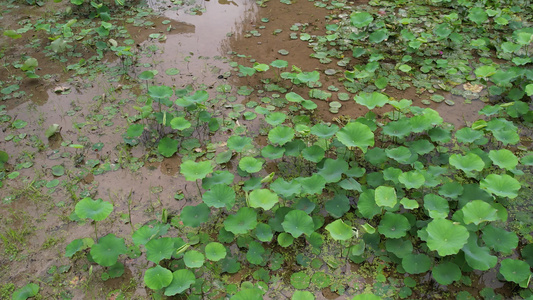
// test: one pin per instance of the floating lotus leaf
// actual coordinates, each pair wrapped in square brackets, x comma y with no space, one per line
[514,270]
[285,239]
[220,195]
[412,179]
[263,232]
[238,143]
[372,100]
[107,250]
[356,134]
[281,135]
[338,206]
[501,185]
[500,239]
[339,230]
[416,263]
[250,164]
[157,277]
[255,252]
[468,163]
[263,198]
[286,188]
[96,210]
[196,170]
[276,118]
[333,169]
[181,281]
[193,259]
[503,158]
[478,258]
[243,221]
[306,77]
[215,251]
[437,206]
[159,249]
[324,131]
[445,237]
[314,184]
[385,196]
[167,146]
[479,211]
[360,19]
[313,154]
[298,222]
[393,225]
[446,273]
[194,216]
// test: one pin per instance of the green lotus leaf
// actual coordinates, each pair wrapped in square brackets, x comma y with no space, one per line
[215,251]
[446,273]
[503,158]
[479,211]
[378,36]
[285,240]
[333,169]
[107,250]
[294,148]
[451,190]
[356,134]
[339,230]
[506,136]
[367,204]
[442,30]
[281,135]
[307,77]
[275,118]
[500,239]
[399,247]
[193,259]
[272,152]
[220,195]
[338,206]
[412,179]
[300,280]
[250,164]
[77,245]
[372,100]
[366,296]
[515,270]
[393,225]
[314,184]
[385,196]
[313,154]
[261,67]
[181,281]
[144,234]
[194,216]
[477,15]
[135,130]
[238,143]
[445,237]
[243,221]
[501,185]
[286,188]
[255,252]
[157,277]
[302,295]
[279,63]
[468,163]
[401,154]
[263,232]
[167,146]
[196,170]
[485,71]
[218,177]
[399,129]
[409,203]
[468,135]
[376,156]
[478,258]
[246,71]
[96,210]
[420,146]
[159,249]
[160,91]
[324,131]
[437,206]
[248,294]
[147,75]
[51,130]
[25,292]
[416,263]
[198,97]
[263,198]
[293,97]
[360,19]
[179,123]
[298,222]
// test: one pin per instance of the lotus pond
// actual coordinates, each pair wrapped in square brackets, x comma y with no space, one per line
[285,149]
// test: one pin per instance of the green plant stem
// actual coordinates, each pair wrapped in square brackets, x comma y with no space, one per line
[198,186]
